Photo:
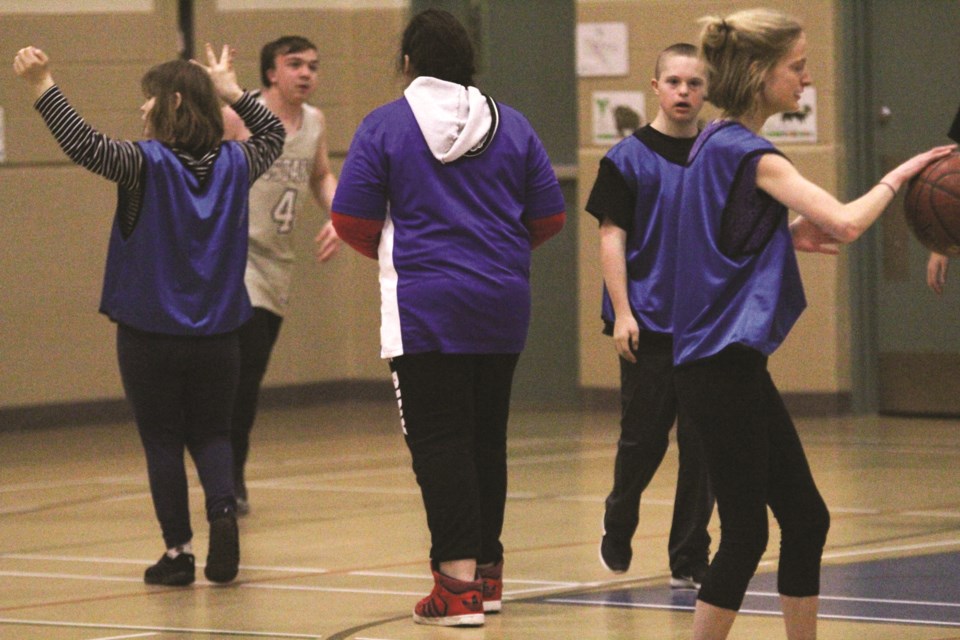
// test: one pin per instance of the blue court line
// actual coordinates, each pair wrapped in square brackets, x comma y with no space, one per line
[918,590]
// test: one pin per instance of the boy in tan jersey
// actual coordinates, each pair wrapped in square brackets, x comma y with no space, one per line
[288,70]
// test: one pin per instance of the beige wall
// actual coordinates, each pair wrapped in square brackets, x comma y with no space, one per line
[815,358]
[54,347]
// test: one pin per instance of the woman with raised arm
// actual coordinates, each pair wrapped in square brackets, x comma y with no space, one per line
[174,279]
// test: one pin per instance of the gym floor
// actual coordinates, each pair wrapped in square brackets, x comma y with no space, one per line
[335,545]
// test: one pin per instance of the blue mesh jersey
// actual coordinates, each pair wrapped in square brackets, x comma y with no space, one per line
[454,253]
[181,270]
[637,187]
[737,277]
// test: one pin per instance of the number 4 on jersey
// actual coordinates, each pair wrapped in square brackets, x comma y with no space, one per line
[284,211]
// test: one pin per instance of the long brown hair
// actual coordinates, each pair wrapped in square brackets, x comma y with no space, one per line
[196,124]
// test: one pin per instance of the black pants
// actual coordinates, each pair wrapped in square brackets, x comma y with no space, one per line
[755,459]
[648,403]
[182,391]
[454,410]
[257,338]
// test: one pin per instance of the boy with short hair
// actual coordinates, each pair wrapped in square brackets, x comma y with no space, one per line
[634,198]
[288,72]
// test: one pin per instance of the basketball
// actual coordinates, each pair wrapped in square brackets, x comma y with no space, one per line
[932,205]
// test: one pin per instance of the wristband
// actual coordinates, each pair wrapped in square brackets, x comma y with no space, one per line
[889,186]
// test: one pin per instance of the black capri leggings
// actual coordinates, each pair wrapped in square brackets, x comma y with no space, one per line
[755,459]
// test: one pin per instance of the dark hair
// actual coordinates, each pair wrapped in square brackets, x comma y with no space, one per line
[739,50]
[683,49]
[280,47]
[196,124]
[438,46]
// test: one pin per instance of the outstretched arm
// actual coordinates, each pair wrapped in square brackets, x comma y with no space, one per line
[116,160]
[845,222]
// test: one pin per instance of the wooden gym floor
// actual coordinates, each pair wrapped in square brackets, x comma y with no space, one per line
[335,546]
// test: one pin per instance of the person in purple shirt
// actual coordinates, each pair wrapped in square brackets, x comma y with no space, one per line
[450,191]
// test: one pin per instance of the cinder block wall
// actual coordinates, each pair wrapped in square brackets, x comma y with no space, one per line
[54,346]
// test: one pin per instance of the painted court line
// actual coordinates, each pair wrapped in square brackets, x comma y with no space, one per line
[758,612]
[308,588]
[417,576]
[919,603]
[894,549]
[127,561]
[157,630]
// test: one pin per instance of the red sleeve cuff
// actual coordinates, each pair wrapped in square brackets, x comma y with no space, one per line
[542,229]
[360,233]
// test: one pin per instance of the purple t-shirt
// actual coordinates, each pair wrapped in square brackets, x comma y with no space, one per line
[454,254]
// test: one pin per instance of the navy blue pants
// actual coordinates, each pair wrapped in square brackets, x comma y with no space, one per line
[257,338]
[648,403]
[454,411]
[182,392]
[755,460]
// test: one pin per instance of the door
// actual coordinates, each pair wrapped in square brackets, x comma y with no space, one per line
[914,62]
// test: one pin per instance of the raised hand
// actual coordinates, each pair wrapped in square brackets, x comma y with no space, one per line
[33,65]
[222,73]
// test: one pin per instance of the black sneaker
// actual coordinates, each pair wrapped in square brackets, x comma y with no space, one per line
[615,554]
[687,579]
[172,572]
[223,556]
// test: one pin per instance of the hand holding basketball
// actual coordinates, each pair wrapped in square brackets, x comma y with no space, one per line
[33,65]
[916,164]
[932,205]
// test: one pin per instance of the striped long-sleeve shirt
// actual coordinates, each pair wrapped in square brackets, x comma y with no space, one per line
[121,161]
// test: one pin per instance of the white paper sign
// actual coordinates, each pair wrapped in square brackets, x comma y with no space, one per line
[795,126]
[616,115]
[602,49]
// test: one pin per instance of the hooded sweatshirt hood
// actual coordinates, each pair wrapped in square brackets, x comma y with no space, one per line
[455,120]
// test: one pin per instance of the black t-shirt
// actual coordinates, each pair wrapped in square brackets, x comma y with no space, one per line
[613,196]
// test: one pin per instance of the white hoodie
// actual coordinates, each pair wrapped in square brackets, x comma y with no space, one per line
[455,120]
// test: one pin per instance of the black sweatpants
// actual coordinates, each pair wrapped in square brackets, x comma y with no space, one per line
[755,460]
[257,338]
[182,391]
[454,410]
[648,403]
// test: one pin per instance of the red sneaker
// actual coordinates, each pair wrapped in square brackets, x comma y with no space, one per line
[452,603]
[492,578]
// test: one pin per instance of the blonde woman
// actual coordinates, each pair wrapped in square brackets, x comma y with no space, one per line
[742,294]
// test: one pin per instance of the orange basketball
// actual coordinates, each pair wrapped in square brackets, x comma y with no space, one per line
[932,205]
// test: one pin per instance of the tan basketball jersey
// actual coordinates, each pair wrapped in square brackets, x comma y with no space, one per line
[275,204]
